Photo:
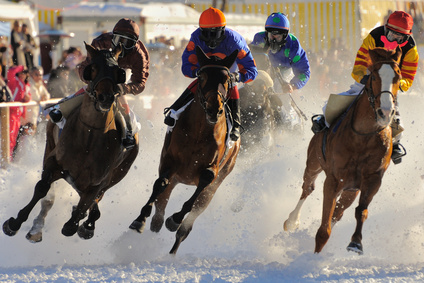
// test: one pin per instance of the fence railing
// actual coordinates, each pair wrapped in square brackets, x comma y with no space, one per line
[5,126]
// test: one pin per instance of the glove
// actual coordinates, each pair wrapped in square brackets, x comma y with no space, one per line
[235,77]
[364,79]
[288,88]
[120,89]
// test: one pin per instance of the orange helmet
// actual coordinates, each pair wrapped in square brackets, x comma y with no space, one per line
[212,18]
[401,22]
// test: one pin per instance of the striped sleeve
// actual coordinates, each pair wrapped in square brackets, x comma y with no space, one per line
[362,58]
[409,68]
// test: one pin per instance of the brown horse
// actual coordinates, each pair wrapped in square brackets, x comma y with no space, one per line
[88,153]
[195,152]
[354,152]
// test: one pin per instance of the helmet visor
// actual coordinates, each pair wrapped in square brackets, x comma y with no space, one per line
[396,36]
[127,42]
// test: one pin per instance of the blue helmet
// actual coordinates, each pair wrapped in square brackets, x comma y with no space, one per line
[277,28]
[277,21]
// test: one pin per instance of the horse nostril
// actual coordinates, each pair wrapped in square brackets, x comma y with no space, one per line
[380,113]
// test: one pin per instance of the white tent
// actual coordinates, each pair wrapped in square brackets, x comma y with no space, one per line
[171,20]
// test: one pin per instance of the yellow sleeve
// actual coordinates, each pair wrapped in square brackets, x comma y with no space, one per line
[362,59]
[409,68]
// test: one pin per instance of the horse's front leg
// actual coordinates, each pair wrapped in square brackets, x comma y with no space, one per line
[174,221]
[158,188]
[35,234]
[86,230]
[12,226]
[345,201]
[330,195]
[369,188]
[160,206]
[87,199]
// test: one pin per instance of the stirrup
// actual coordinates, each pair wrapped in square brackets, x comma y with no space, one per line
[129,141]
[398,152]
[318,123]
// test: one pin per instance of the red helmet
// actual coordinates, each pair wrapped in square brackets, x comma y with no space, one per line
[401,22]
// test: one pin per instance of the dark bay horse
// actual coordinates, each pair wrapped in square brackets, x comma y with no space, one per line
[88,153]
[196,152]
[354,152]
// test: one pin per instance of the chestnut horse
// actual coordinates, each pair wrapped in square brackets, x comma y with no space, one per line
[88,154]
[195,152]
[354,152]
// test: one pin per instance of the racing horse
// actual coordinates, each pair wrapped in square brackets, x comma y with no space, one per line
[354,152]
[196,151]
[88,153]
[257,114]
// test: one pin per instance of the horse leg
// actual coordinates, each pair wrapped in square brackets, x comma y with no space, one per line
[35,234]
[158,188]
[345,201]
[160,205]
[85,202]
[173,222]
[86,230]
[312,170]
[12,225]
[369,188]
[200,204]
[330,196]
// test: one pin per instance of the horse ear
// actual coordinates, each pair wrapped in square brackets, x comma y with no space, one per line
[87,73]
[90,49]
[201,56]
[398,54]
[229,60]
[117,51]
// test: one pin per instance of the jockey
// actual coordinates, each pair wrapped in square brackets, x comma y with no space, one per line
[216,40]
[396,32]
[134,56]
[284,51]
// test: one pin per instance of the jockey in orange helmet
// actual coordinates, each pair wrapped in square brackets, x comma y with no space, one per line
[215,40]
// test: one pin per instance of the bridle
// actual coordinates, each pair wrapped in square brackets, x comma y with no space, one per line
[201,92]
[372,98]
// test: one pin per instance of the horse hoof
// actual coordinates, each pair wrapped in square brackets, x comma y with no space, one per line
[138,226]
[34,238]
[355,247]
[288,226]
[7,230]
[171,225]
[85,233]
[69,229]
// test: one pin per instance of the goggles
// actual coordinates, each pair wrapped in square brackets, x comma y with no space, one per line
[127,42]
[212,33]
[396,36]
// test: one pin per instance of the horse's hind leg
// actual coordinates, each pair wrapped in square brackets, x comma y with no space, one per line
[158,188]
[345,201]
[312,170]
[12,225]
[35,234]
[173,222]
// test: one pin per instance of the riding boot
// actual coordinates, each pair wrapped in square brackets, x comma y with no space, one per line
[318,123]
[235,112]
[129,141]
[184,98]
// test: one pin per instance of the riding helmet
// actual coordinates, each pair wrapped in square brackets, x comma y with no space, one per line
[277,28]
[212,24]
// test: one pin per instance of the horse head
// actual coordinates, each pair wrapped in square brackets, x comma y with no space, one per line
[383,83]
[103,75]
[214,82]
